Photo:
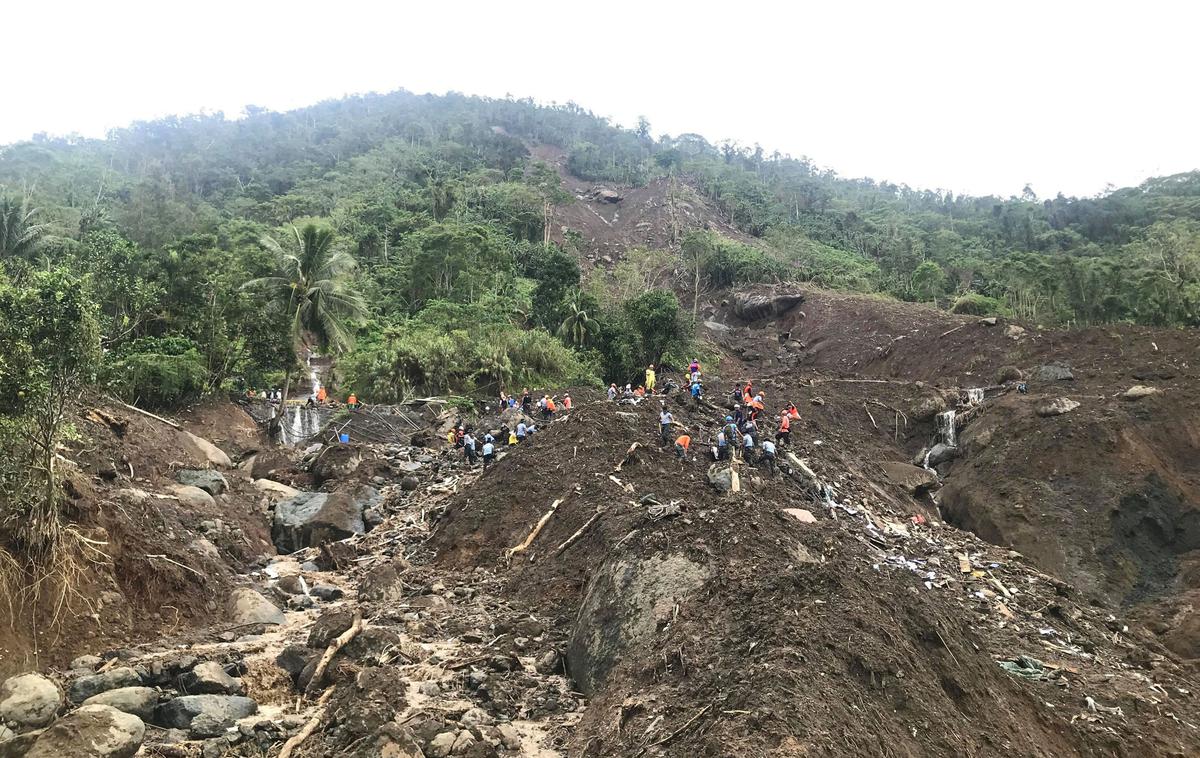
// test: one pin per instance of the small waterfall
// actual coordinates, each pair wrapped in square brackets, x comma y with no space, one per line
[946,429]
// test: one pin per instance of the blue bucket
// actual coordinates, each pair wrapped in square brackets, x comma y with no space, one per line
[343,438]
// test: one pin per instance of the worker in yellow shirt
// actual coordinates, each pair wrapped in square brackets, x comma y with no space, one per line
[650,379]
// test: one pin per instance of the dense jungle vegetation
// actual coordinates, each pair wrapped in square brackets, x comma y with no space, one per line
[408,233]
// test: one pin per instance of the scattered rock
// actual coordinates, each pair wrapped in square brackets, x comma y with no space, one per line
[93,684]
[139,701]
[1054,372]
[211,453]
[1014,332]
[212,482]
[720,477]
[382,584]
[410,483]
[1057,407]
[193,497]
[462,743]
[329,627]
[29,700]
[275,489]
[247,606]
[207,725]
[716,326]
[300,602]
[314,518]
[912,478]
[509,736]
[1139,391]
[801,515]
[1009,374]
[326,592]
[988,321]
[179,712]
[927,407]
[288,574]
[209,678]
[92,731]
[336,462]
[441,745]
[87,662]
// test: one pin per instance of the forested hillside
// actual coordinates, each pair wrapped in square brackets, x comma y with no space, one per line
[430,249]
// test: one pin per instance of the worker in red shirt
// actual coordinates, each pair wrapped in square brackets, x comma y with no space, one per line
[567,401]
[784,435]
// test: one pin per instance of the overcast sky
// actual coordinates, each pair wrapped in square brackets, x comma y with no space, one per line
[980,97]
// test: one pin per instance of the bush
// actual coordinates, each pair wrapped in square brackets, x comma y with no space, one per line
[1009,374]
[974,304]
[157,371]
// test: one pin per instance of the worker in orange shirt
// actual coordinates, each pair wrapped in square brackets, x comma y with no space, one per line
[784,435]
[352,401]
[567,401]
[322,395]
[682,443]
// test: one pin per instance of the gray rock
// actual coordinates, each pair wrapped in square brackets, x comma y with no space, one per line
[462,743]
[1139,391]
[441,745]
[336,462]
[207,725]
[1014,332]
[214,455]
[193,497]
[213,748]
[509,736]
[209,678]
[212,482]
[927,407]
[409,483]
[139,701]
[988,320]
[312,519]
[941,452]
[246,606]
[752,307]
[1054,372]
[476,717]
[275,489]
[716,326]
[93,684]
[179,712]
[87,662]
[29,700]
[382,584]
[913,479]
[1057,407]
[327,592]
[721,477]
[92,731]
[300,602]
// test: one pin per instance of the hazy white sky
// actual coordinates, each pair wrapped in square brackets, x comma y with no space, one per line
[971,96]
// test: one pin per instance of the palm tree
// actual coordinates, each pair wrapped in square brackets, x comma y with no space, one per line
[18,234]
[578,328]
[311,290]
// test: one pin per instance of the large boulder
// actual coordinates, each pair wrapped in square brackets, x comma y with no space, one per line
[382,584]
[926,407]
[214,455]
[720,477]
[92,731]
[336,462]
[93,684]
[209,678]
[212,482]
[29,700]
[1054,372]
[1139,391]
[749,307]
[311,519]
[178,713]
[246,606]
[941,452]
[912,479]
[193,497]
[139,701]
[626,600]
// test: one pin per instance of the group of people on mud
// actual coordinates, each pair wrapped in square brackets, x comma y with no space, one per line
[695,386]
[462,437]
[741,435]
[320,397]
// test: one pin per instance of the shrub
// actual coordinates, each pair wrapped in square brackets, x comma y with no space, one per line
[974,304]
[1008,374]
[157,371]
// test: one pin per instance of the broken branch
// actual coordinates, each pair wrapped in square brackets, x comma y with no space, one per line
[579,532]
[509,553]
[136,409]
[342,640]
[294,741]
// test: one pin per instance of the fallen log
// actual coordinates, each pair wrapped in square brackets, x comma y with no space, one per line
[295,741]
[136,409]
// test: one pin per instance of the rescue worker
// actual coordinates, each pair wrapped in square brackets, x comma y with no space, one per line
[450,437]
[522,431]
[738,415]
[768,455]
[567,401]
[612,392]
[792,412]
[682,443]
[697,390]
[748,448]
[721,452]
[694,367]
[469,448]
[650,379]
[526,400]
[352,401]
[489,454]
[732,436]
[665,419]
[322,395]
[548,411]
[784,435]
